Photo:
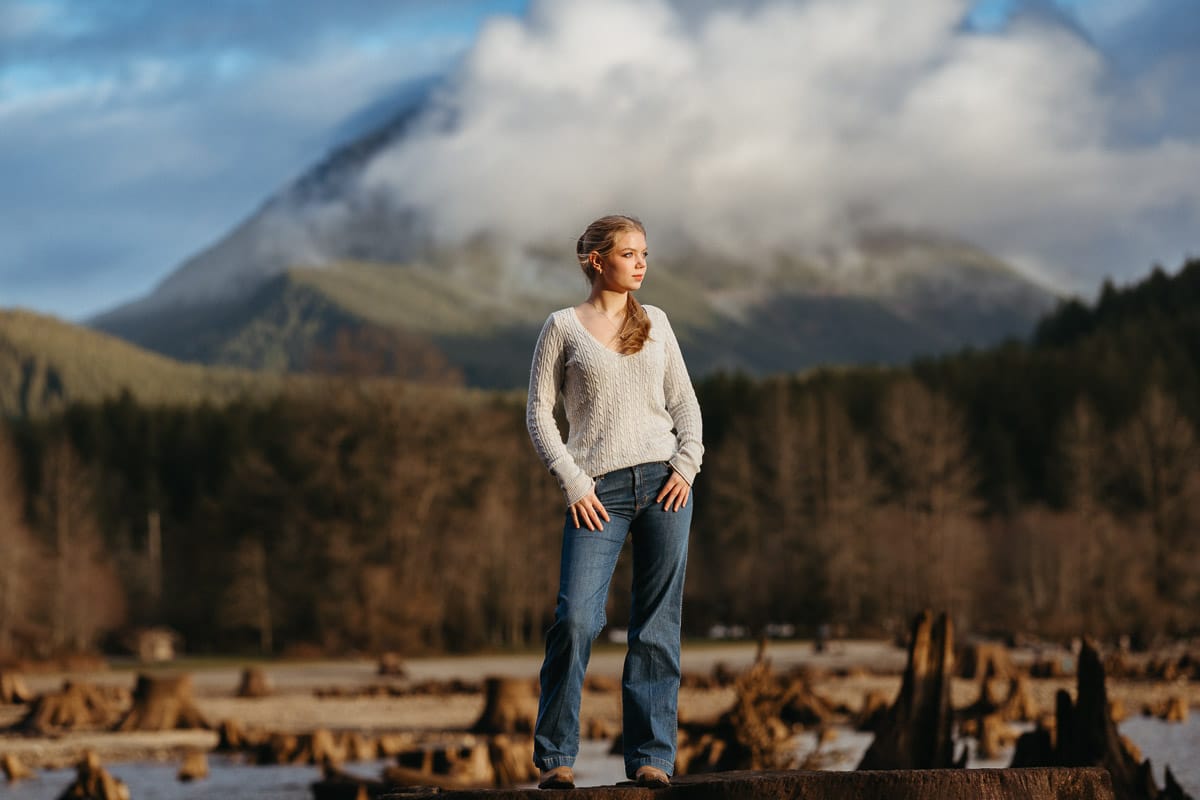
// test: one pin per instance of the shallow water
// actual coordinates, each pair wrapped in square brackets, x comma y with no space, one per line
[1176,744]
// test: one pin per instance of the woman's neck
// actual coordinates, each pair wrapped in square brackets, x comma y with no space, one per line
[608,302]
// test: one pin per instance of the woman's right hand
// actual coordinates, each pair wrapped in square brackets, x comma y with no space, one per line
[590,510]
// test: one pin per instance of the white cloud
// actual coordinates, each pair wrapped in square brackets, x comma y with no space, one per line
[778,126]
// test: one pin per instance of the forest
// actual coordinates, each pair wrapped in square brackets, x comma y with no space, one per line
[1041,488]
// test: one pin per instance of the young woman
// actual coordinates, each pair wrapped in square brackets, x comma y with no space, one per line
[632,451]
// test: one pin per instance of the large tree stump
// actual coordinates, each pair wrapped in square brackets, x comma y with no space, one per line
[510,707]
[92,782]
[13,689]
[163,703]
[79,706]
[1086,735]
[254,683]
[916,731]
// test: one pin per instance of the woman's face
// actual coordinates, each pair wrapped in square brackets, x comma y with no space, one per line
[624,268]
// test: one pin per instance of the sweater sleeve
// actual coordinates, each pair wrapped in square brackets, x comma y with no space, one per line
[545,384]
[683,408]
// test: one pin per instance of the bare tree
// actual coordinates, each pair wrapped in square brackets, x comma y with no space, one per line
[247,600]
[933,481]
[1158,450]
[21,560]
[87,594]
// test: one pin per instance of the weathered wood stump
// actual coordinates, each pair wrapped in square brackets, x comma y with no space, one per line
[464,766]
[512,760]
[13,688]
[392,666]
[92,782]
[194,766]
[1085,735]
[755,732]
[982,660]
[916,731]
[14,770]
[163,703]
[78,706]
[509,707]
[254,683]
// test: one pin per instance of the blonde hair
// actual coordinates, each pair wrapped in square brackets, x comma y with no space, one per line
[600,238]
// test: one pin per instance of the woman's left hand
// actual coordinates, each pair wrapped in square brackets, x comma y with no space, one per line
[674,493]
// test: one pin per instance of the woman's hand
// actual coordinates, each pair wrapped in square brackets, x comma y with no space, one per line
[590,510]
[675,492]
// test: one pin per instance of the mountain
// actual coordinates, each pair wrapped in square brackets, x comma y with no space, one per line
[326,265]
[46,363]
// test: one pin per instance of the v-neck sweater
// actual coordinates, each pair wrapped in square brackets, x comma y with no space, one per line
[622,410]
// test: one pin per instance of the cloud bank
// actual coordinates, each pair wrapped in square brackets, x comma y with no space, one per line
[785,126]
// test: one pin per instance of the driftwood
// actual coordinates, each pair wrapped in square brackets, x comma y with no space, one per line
[92,782]
[338,785]
[1085,735]
[916,731]
[13,689]
[254,683]
[78,706]
[194,766]
[163,703]
[14,770]
[510,707]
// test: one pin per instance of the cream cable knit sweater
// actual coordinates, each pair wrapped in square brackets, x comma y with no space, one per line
[621,410]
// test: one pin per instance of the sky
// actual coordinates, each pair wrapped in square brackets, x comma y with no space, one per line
[1061,135]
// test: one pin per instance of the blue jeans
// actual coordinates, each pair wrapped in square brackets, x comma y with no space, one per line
[650,684]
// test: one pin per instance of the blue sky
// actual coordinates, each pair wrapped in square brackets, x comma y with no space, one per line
[134,133]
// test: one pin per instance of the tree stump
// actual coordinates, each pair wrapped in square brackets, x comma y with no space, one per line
[982,660]
[194,767]
[92,782]
[163,703]
[13,689]
[916,731]
[79,706]
[510,707]
[13,769]
[1085,735]
[254,683]
[512,760]
[392,666]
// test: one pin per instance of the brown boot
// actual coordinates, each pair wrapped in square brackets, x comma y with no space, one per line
[651,777]
[557,778]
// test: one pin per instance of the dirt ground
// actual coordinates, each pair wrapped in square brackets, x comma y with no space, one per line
[844,673]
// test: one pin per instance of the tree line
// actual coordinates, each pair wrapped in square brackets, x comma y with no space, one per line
[1050,487]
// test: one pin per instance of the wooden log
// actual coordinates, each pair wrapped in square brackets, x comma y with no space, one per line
[92,782]
[163,703]
[916,731]
[194,766]
[14,769]
[950,784]
[509,707]
[254,683]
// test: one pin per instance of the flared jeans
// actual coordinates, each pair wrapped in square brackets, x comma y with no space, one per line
[650,683]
